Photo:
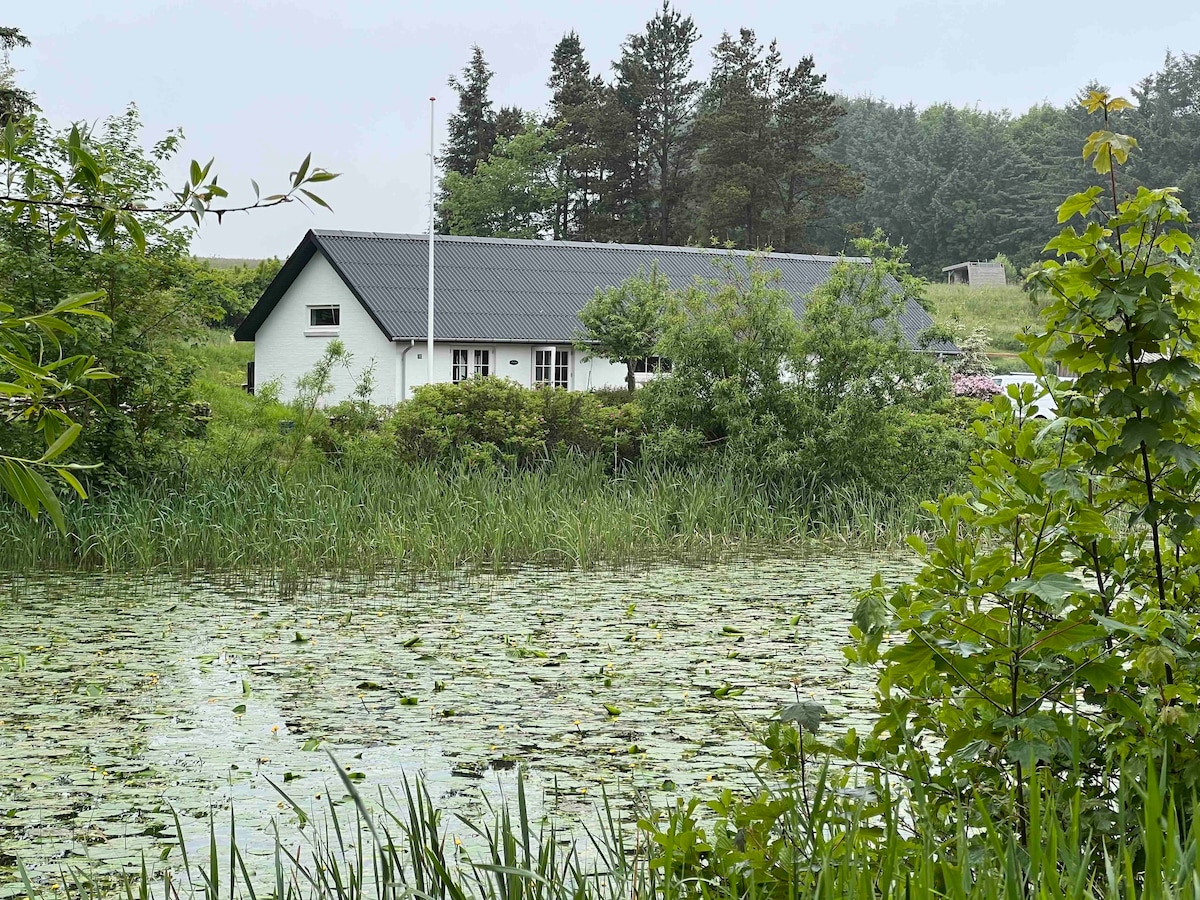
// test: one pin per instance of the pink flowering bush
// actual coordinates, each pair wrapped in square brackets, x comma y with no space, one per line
[978,387]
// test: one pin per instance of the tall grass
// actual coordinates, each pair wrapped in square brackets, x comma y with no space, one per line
[819,843]
[427,518]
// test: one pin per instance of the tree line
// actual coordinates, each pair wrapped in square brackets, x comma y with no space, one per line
[763,153]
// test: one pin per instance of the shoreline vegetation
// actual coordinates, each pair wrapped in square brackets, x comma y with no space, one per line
[426,518]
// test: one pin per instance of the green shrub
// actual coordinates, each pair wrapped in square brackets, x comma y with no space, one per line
[493,421]
[1052,637]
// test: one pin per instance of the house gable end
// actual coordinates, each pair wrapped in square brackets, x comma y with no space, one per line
[286,277]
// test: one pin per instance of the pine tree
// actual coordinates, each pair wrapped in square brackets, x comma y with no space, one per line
[574,103]
[762,180]
[805,116]
[1167,122]
[509,122]
[737,161]
[619,212]
[653,81]
[15,103]
[472,130]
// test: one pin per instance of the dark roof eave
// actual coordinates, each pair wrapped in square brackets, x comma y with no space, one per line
[286,277]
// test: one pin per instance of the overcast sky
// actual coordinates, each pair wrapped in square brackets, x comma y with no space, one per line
[258,84]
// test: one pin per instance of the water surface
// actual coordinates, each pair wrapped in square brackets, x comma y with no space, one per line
[124,698]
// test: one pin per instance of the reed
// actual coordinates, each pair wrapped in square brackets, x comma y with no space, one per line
[427,518]
[819,843]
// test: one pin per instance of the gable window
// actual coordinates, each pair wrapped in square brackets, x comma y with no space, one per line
[325,317]
[469,363]
[551,367]
[651,364]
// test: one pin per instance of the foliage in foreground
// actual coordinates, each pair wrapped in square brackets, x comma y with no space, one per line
[1055,628]
[96,292]
[793,840]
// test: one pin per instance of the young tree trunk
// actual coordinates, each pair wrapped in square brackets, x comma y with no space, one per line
[630,379]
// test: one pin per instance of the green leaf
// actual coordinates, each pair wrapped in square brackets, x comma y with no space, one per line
[70,479]
[871,614]
[913,659]
[1103,674]
[1052,588]
[62,443]
[1139,431]
[1027,753]
[808,714]
[1187,458]
[298,179]
[315,199]
[1114,626]
[1078,204]
[134,229]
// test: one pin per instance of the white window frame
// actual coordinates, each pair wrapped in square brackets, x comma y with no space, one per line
[459,359]
[651,365]
[323,330]
[560,359]
[474,362]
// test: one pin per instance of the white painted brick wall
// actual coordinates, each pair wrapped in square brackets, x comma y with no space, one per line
[284,347]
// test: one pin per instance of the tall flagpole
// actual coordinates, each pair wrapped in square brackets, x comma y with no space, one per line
[429,333]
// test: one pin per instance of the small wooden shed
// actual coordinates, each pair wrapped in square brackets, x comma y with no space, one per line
[975,274]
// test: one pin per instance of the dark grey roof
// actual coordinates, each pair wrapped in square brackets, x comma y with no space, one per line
[493,289]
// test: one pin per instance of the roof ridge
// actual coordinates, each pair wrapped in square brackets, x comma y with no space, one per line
[609,245]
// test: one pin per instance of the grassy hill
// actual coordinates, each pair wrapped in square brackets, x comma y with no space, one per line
[1001,312]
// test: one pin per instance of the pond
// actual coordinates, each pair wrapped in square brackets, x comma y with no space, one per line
[126,699]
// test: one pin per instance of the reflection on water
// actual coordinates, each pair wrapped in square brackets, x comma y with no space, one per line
[125,698]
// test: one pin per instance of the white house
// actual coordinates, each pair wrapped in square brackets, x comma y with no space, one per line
[505,308]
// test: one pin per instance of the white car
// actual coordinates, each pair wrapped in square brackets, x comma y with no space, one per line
[1044,406]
